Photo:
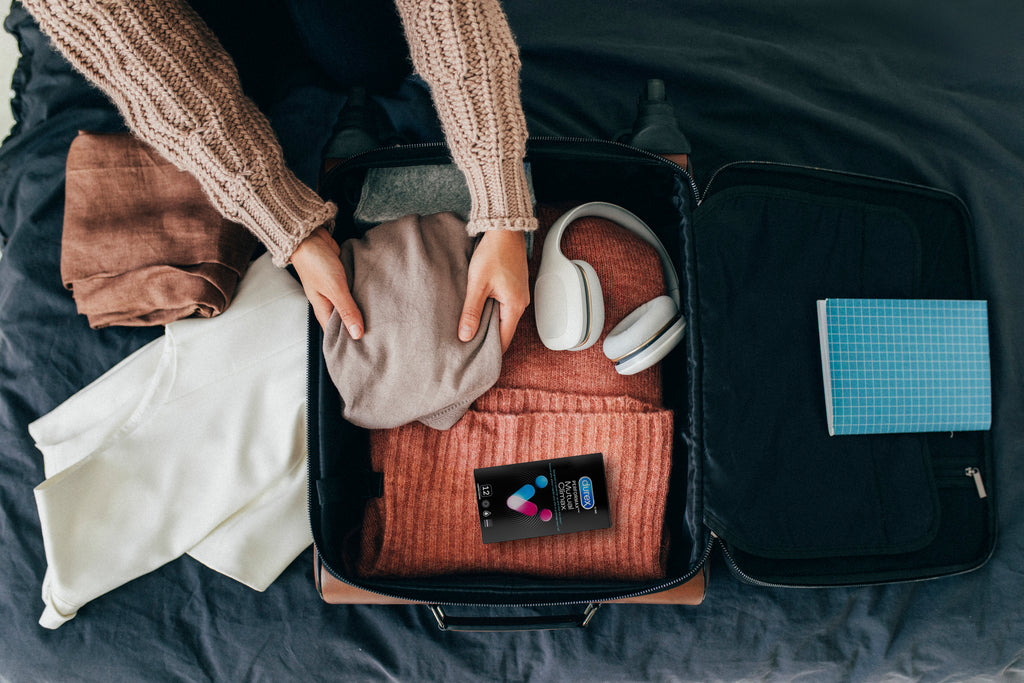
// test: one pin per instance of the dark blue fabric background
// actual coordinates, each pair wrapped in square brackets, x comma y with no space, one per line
[931,93]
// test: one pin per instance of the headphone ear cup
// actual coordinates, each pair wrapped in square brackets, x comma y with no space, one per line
[638,331]
[632,364]
[594,302]
[558,303]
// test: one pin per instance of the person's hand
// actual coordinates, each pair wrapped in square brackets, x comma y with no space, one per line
[323,279]
[497,270]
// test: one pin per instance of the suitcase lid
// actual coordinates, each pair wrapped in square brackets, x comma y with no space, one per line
[792,504]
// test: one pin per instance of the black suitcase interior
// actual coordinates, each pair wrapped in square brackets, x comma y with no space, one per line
[754,468]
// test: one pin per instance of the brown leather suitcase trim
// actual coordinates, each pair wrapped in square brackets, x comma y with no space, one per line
[336,592]
[689,593]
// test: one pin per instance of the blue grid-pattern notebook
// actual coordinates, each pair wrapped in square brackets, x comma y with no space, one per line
[905,365]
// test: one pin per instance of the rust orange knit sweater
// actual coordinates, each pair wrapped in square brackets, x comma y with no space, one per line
[178,90]
[545,404]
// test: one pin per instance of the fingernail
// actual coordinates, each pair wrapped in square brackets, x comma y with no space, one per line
[355,330]
[465,333]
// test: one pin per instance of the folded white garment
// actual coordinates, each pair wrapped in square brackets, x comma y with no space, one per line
[193,444]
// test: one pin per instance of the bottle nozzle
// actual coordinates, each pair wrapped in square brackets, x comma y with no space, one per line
[655,128]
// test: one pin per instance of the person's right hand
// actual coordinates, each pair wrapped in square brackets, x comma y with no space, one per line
[323,279]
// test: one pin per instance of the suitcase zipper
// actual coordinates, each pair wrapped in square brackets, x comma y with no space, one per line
[626,596]
[845,174]
[747,578]
[694,189]
[386,148]
[735,568]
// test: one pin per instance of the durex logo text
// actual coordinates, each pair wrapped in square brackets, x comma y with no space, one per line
[586,493]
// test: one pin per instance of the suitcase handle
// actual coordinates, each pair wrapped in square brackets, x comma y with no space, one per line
[446,622]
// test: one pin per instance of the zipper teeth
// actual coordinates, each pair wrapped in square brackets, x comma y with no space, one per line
[847,174]
[735,567]
[384,148]
[698,195]
[707,185]
[767,164]
[310,444]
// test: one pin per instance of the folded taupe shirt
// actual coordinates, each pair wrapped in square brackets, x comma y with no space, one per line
[408,277]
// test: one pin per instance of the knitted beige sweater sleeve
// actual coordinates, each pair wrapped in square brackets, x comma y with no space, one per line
[465,51]
[178,91]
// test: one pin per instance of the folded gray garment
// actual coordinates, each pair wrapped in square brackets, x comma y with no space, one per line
[389,193]
[408,277]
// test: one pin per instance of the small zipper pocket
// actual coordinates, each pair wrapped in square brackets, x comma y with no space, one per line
[968,476]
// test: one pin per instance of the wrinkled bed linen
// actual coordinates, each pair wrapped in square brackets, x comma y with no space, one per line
[895,89]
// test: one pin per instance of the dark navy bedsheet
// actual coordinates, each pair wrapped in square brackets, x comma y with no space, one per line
[930,93]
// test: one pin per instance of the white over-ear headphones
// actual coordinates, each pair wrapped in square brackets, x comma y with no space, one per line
[569,305]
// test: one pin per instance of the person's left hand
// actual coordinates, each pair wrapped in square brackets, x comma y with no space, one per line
[497,270]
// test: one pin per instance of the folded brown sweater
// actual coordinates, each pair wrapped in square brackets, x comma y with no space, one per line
[178,90]
[141,244]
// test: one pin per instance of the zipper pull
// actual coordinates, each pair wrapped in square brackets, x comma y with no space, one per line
[975,474]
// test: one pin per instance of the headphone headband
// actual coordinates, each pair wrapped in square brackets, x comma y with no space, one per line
[624,218]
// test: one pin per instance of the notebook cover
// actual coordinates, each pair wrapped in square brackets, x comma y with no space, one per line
[905,365]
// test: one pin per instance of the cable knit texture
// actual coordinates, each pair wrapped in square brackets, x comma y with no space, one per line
[179,91]
[465,51]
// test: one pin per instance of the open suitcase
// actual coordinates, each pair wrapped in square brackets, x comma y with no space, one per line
[755,472]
